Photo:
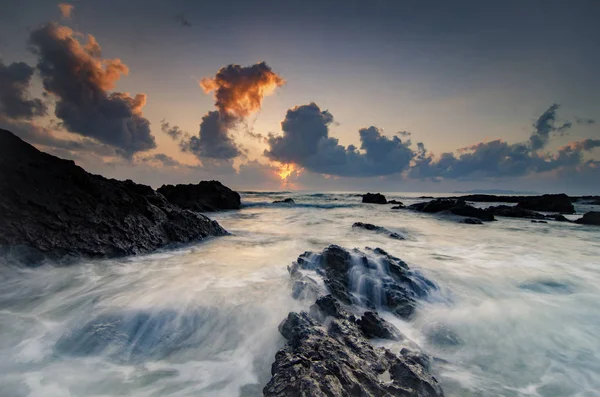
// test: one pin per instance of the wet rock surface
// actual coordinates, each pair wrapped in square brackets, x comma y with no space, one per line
[205,196]
[548,202]
[514,212]
[328,350]
[471,221]
[285,201]
[374,198]
[50,207]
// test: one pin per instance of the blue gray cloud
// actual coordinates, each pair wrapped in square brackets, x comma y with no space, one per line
[15,102]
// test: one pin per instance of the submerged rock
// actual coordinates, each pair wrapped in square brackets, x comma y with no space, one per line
[548,202]
[471,221]
[51,207]
[536,221]
[399,207]
[378,229]
[395,202]
[374,198]
[453,206]
[285,201]
[514,212]
[328,353]
[590,218]
[205,196]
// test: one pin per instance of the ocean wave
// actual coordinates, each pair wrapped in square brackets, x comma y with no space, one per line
[298,205]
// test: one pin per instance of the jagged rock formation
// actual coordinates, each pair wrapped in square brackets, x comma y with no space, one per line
[374,198]
[206,196]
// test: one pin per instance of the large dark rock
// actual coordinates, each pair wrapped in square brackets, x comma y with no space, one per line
[386,281]
[453,206]
[373,326]
[378,229]
[471,221]
[374,198]
[285,201]
[51,207]
[395,202]
[590,218]
[548,202]
[205,196]
[514,212]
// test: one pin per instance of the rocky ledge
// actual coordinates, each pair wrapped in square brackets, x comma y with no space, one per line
[50,207]
[590,218]
[377,229]
[328,350]
[206,196]
[452,206]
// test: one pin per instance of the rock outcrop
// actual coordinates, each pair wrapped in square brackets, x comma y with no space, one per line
[378,229]
[590,218]
[50,207]
[328,352]
[471,221]
[452,206]
[514,212]
[548,202]
[285,201]
[206,196]
[374,198]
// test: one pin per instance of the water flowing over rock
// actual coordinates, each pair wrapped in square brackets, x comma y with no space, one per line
[49,207]
[328,352]
[548,202]
[206,196]
[590,218]
[378,229]
[374,198]
[452,206]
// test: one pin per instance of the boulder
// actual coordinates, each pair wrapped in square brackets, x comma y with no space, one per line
[395,202]
[471,221]
[50,207]
[548,202]
[398,207]
[514,212]
[373,326]
[206,196]
[374,198]
[285,201]
[378,229]
[590,218]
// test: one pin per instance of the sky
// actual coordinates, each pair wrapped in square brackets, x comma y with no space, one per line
[430,96]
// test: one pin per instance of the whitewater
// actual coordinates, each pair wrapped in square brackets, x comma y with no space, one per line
[516,312]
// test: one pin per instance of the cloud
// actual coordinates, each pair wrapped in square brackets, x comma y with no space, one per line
[403,133]
[174,132]
[65,10]
[183,21]
[14,97]
[584,121]
[239,91]
[80,80]
[306,142]
[544,126]
[161,159]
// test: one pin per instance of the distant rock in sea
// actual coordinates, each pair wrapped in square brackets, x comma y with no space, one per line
[395,202]
[471,221]
[590,218]
[514,212]
[548,202]
[50,207]
[378,229]
[452,206]
[374,198]
[285,201]
[206,196]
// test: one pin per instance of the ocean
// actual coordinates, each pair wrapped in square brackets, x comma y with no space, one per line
[517,312]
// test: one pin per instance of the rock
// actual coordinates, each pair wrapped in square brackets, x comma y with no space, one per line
[536,221]
[333,359]
[378,229]
[398,207]
[514,212]
[285,201]
[471,221]
[557,217]
[395,202]
[205,196]
[50,207]
[386,281]
[374,198]
[373,326]
[548,202]
[590,218]
[453,206]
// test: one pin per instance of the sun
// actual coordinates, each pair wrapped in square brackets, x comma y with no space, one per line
[285,170]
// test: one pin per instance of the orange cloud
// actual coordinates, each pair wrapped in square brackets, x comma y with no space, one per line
[239,91]
[65,10]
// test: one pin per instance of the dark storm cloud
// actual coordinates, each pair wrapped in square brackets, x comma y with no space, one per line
[80,80]
[545,125]
[306,142]
[239,91]
[14,92]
